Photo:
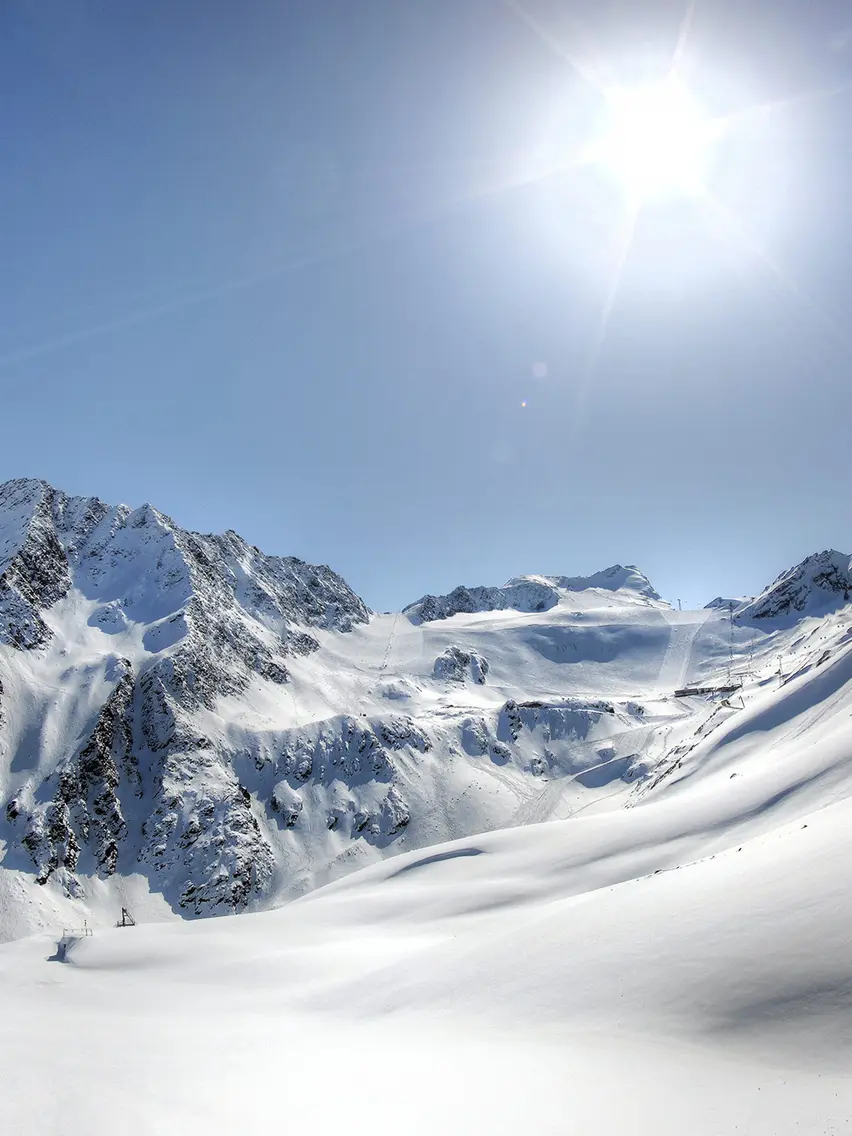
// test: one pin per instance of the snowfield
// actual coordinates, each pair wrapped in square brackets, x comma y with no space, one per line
[584,904]
[547,978]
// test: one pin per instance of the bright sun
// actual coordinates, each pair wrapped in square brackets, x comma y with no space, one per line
[656,141]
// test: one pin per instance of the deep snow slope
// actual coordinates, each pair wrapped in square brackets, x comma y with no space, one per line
[189,727]
[681,965]
[670,954]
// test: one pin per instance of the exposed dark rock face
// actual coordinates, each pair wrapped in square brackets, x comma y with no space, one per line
[34,570]
[144,788]
[557,720]
[530,593]
[207,838]
[821,581]
[344,772]
[456,665]
[85,810]
[526,595]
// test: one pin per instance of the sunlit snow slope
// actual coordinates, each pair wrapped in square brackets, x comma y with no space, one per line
[190,727]
[682,965]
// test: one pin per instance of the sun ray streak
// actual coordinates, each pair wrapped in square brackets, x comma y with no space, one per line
[155,312]
[782,104]
[683,35]
[624,248]
[588,72]
[738,231]
[532,174]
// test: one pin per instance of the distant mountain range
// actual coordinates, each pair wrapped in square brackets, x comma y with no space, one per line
[191,727]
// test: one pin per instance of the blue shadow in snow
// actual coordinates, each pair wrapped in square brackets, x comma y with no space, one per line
[438,858]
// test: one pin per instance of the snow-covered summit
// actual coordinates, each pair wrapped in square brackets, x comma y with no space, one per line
[531,593]
[617,578]
[143,568]
[821,583]
[728,603]
[141,628]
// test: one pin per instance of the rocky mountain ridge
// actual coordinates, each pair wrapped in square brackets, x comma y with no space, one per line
[204,616]
[820,583]
[228,728]
[529,593]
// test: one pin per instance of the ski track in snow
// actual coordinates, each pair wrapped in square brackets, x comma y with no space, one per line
[684,629]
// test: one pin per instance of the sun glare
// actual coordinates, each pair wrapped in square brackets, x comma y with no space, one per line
[656,141]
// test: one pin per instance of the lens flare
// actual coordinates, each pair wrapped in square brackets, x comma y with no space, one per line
[656,142]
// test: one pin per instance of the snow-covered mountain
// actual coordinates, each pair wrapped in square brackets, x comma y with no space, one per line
[821,583]
[678,965]
[120,635]
[190,727]
[528,593]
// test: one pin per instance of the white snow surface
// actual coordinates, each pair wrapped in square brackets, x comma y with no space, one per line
[682,965]
[668,953]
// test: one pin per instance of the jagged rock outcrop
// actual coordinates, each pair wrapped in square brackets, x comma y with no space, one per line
[205,836]
[529,593]
[566,737]
[252,606]
[821,582]
[456,665]
[566,718]
[34,570]
[84,810]
[478,739]
[345,771]
[206,616]
[520,596]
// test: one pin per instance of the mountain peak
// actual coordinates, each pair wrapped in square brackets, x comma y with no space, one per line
[22,487]
[140,562]
[164,622]
[820,583]
[618,577]
[529,593]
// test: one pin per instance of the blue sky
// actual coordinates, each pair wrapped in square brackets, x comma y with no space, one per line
[289,268]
